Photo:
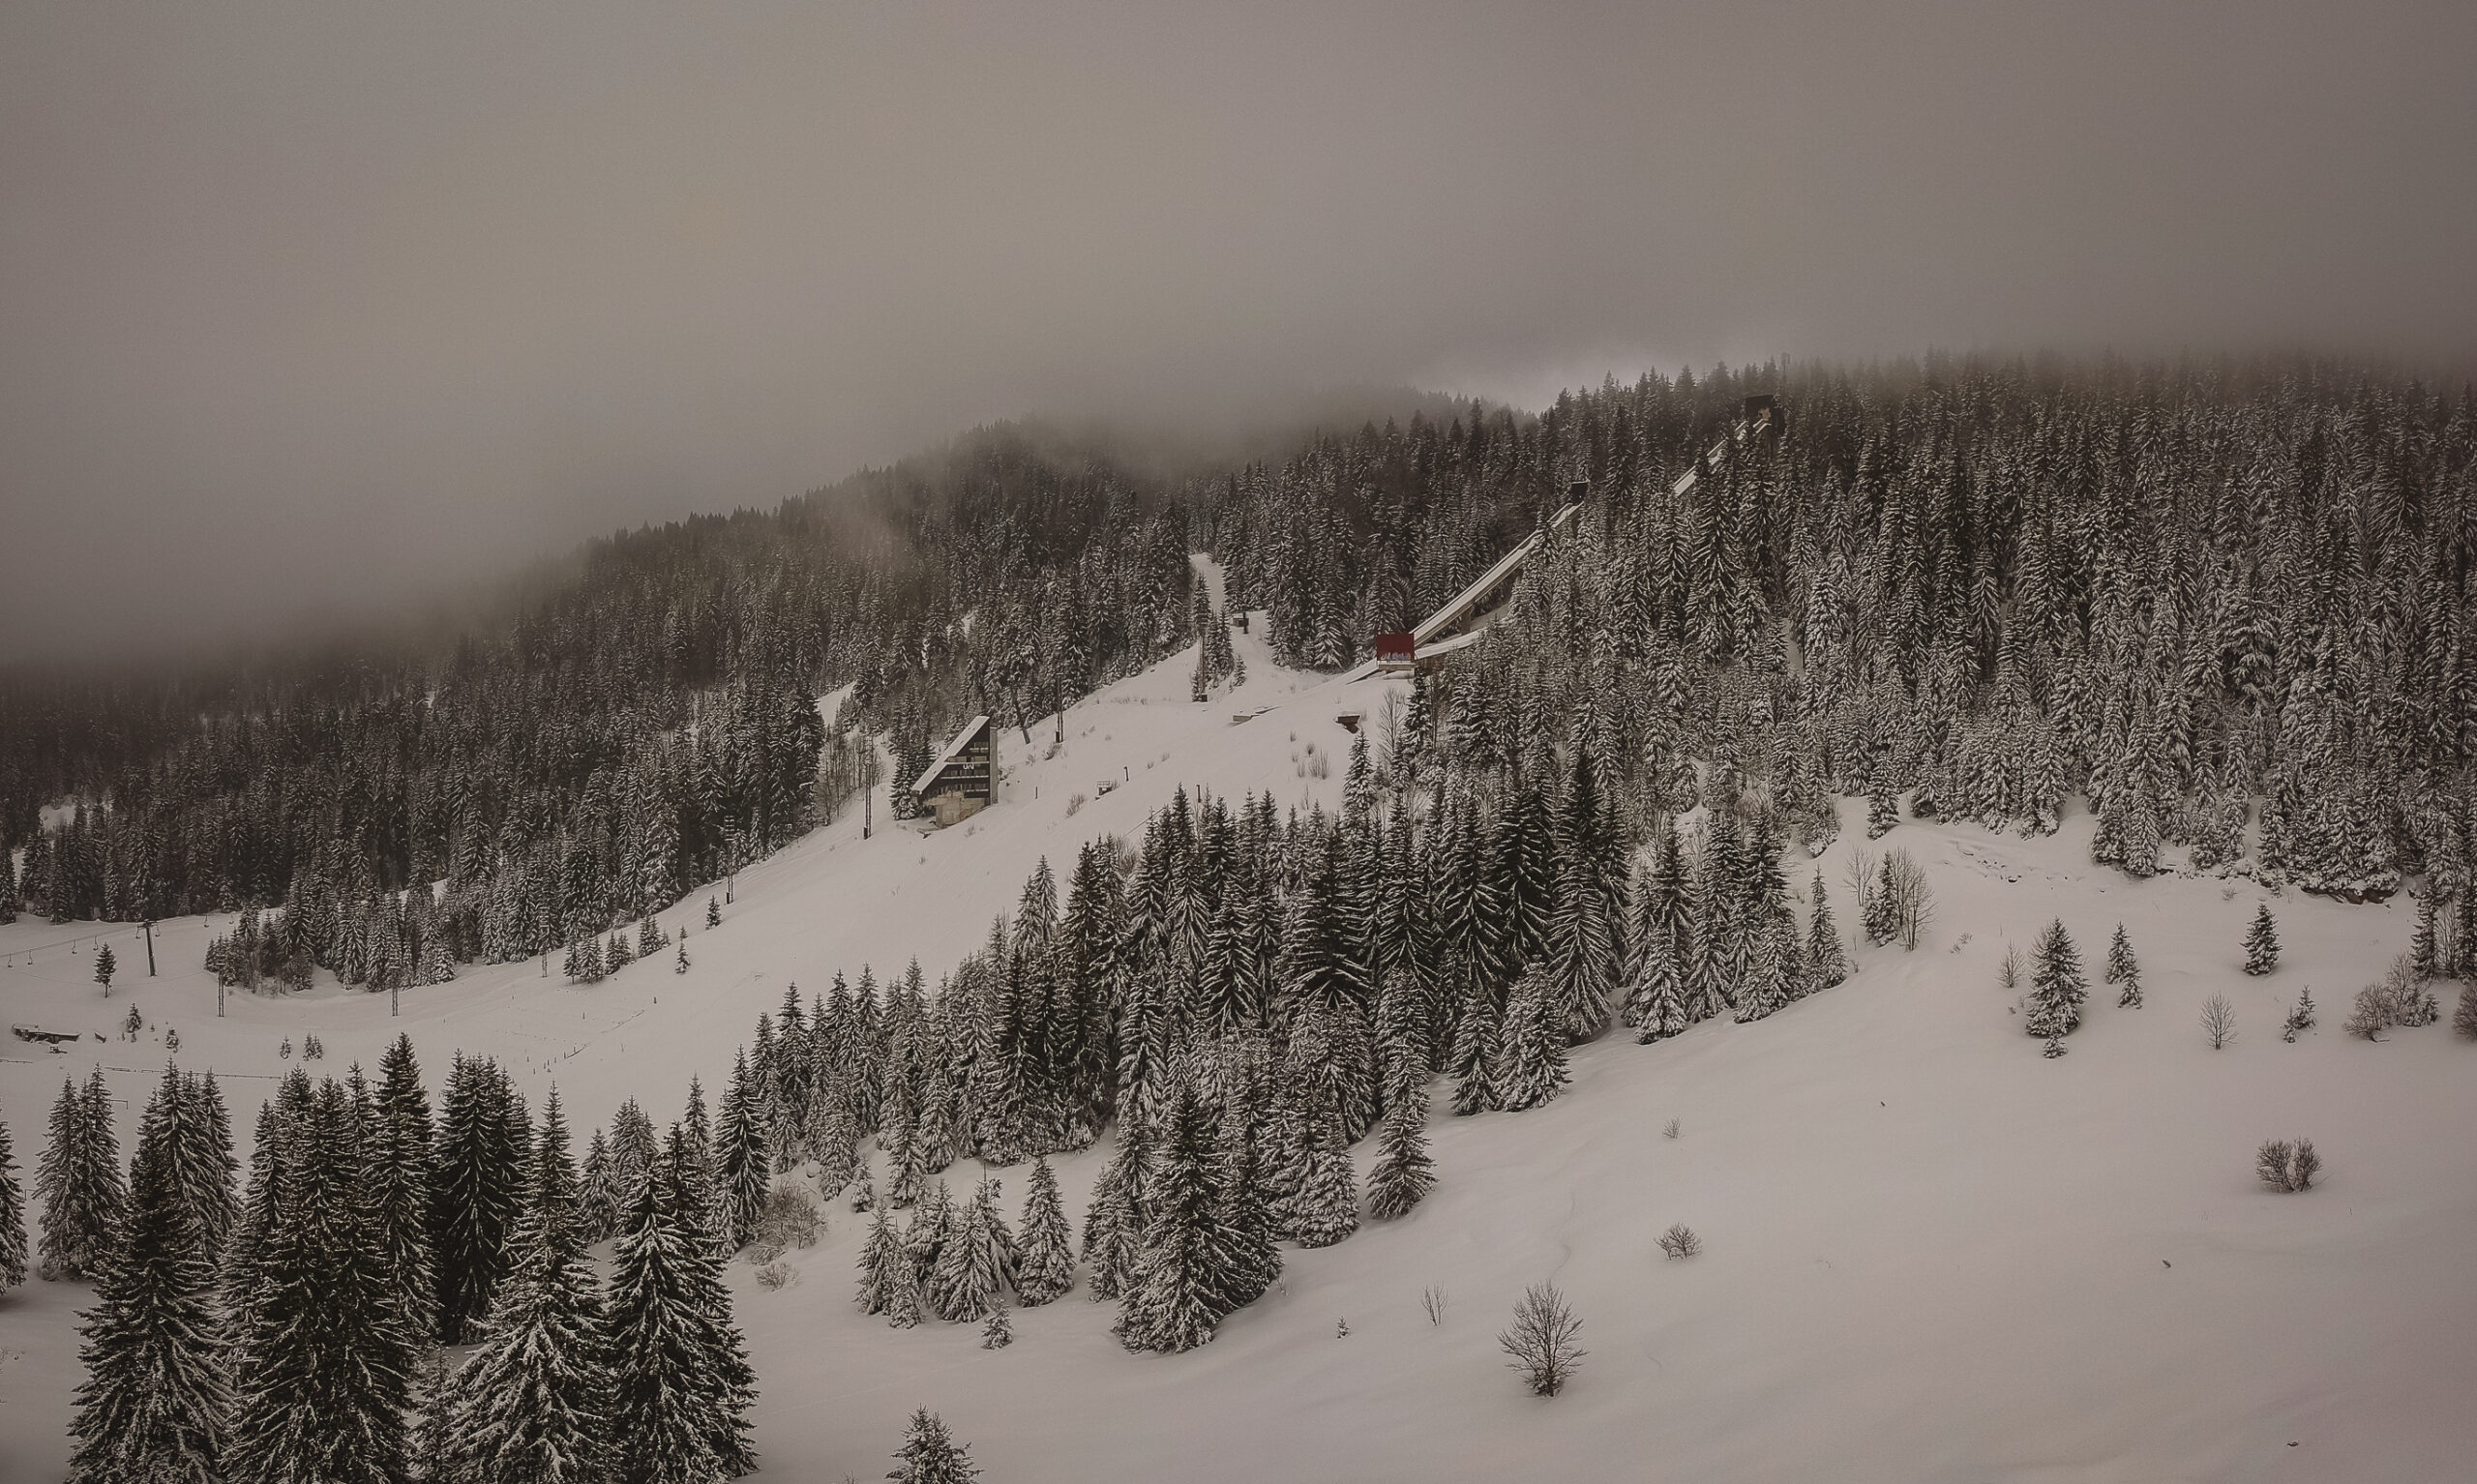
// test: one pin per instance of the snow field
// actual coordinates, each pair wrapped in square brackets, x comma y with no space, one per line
[1929,1252]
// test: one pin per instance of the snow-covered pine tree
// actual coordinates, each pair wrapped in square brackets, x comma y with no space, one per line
[1112,1233]
[2057,990]
[1585,928]
[2425,957]
[1244,1210]
[1530,1066]
[929,1456]
[1322,1200]
[1827,959]
[741,1165]
[1172,1299]
[883,1263]
[2262,942]
[323,1376]
[682,1386]
[1476,1033]
[532,1404]
[663,1387]
[1046,1269]
[969,1277]
[13,1215]
[78,1181]
[1404,1172]
[2123,969]
[925,1236]
[398,1187]
[184,1118]
[1883,807]
[476,1192]
[155,1401]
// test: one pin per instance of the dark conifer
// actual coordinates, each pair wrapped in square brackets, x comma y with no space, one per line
[532,1404]
[2262,942]
[1175,1296]
[1046,1269]
[78,1181]
[1530,1067]
[2057,990]
[324,1372]
[1404,1173]
[12,1218]
[2124,971]
[155,1403]
[741,1165]
[929,1456]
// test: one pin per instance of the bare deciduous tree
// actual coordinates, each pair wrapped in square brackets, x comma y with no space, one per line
[1680,1241]
[1912,904]
[2219,1020]
[1541,1340]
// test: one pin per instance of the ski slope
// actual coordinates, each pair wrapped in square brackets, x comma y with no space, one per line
[1931,1253]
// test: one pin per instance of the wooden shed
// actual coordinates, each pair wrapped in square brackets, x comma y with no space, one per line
[957,786]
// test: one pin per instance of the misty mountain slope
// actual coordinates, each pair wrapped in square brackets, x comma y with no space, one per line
[1930,1252]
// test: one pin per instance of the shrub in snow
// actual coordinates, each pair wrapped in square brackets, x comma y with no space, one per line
[2218,1022]
[2417,1006]
[1680,1241]
[997,1333]
[2398,999]
[790,1219]
[1432,1304]
[1669,1129]
[2287,1167]
[1541,1340]
[2262,942]
[773,1275]
[2009,974]
[2300,1019]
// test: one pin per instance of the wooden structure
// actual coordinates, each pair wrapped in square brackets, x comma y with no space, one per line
[1396,651]
[957,786]
[46,1037]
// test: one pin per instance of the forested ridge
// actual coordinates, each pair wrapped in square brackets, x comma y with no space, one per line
[2207,596]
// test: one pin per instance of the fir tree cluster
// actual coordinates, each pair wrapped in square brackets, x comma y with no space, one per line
[299,1328]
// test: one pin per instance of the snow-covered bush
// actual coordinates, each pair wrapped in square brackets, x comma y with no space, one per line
[1680,1241]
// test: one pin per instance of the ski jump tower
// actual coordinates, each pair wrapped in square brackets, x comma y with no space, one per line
[1464,618]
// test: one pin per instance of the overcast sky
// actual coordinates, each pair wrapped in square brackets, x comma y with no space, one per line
[317,306]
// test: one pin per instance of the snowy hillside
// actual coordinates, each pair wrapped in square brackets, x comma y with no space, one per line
[1931,1253]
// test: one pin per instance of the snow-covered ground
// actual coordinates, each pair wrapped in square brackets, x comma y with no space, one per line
[1930,1252]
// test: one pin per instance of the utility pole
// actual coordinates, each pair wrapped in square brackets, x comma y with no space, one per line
[150,947]
[868,786]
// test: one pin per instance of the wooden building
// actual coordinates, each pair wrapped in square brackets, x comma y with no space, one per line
[957,786]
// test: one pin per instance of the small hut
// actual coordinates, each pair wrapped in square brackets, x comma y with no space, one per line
[957,784]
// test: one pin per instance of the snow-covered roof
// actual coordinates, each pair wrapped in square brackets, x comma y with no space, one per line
[963,738]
